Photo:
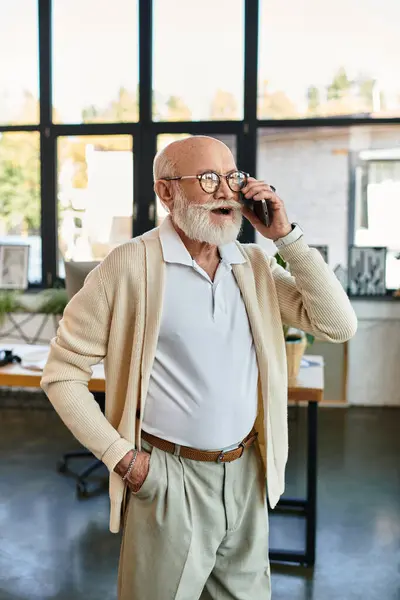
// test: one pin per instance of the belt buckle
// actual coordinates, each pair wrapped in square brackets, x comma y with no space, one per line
[221,455]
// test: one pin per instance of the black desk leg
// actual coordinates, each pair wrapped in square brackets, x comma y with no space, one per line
[311,508]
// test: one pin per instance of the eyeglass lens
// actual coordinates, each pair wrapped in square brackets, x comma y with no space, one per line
[210,181]
[237,180]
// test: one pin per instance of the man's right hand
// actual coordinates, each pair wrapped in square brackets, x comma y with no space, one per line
[139,472]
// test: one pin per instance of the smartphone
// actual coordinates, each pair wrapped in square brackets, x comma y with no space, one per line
[261,209]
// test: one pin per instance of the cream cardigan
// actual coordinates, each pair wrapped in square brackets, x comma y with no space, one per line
[116,316]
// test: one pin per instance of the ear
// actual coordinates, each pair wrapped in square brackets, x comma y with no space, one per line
[163,191]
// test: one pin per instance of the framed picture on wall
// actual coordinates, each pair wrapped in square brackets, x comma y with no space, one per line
[367,271]
[341,273]
[14,266]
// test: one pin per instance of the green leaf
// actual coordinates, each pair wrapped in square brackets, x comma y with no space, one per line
[52,301]
[310,339]
[8,303]
[280,260]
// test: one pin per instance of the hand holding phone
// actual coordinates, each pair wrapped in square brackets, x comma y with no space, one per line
[261,208]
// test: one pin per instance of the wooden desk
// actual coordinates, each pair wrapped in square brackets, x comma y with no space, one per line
[15,375]
[308,387]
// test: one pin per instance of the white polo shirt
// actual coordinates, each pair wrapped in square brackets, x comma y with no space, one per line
[203,386]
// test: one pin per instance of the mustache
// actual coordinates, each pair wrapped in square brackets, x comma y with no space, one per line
[225,204]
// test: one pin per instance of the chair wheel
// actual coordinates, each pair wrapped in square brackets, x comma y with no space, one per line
[81,490]
[61,466]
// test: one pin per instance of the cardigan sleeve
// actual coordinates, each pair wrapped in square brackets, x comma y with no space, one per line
[80,343]
[310,297]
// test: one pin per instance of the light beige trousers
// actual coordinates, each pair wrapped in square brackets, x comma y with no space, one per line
[196,531]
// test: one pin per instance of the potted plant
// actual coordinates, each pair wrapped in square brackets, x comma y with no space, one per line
[296,341]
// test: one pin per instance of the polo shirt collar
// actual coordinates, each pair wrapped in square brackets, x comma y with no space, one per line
[231,254]
[175,251]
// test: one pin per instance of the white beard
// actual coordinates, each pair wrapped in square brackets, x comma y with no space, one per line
[196,222]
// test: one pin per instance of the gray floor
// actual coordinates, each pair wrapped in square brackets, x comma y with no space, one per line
[53,546]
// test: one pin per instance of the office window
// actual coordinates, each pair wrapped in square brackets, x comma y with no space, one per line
[19,72]
[377,204]
[20,196]
[321,59]
[198,60]
[95,196]
[95,61]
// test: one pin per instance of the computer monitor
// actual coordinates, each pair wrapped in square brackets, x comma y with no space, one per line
[75,275]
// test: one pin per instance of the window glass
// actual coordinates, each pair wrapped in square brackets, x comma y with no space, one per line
[198,60]
[321,59]
[20,196]
[19,67]
[95,196]
[95,61]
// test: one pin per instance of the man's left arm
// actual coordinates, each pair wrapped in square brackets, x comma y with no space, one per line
[310,297]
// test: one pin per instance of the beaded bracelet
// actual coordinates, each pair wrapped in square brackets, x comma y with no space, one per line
[131,465]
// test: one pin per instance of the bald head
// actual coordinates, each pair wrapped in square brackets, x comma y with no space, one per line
[193,155]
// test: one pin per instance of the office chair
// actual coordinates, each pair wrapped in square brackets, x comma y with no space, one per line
[75,275]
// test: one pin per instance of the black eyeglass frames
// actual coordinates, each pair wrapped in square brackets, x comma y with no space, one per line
[210,180]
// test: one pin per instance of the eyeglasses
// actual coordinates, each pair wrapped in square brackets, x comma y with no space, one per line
[210,181]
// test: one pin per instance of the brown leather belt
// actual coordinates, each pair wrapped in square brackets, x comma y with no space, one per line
[221,456]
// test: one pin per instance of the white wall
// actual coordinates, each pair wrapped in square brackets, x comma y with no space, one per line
[374,355]
[309,167]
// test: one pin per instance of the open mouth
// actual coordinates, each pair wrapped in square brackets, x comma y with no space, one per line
[222,211]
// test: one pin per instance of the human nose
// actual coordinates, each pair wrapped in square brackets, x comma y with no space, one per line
[224,191]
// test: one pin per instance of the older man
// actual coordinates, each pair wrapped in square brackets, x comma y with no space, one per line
[189,322]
